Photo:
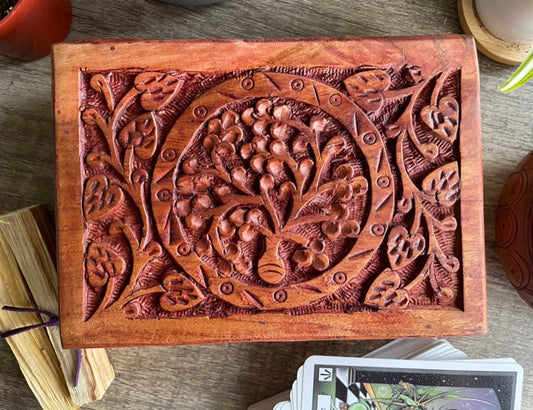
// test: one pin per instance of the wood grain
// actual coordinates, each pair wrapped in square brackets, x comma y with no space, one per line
[288,191]
[232,376]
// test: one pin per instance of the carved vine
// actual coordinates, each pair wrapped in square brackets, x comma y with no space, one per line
[271,202]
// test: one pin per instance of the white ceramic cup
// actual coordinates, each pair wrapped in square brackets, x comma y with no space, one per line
[510,20]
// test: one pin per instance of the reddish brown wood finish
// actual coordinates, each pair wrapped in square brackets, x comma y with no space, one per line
[213,191]
[513,229]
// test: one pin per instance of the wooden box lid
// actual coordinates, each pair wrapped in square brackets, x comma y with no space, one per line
[243,190]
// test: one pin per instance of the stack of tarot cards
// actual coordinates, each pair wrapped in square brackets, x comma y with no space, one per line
[427,374]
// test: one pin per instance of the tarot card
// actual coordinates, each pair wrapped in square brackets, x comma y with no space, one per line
[294,394]
[284,405]
[337,383]
[299,381]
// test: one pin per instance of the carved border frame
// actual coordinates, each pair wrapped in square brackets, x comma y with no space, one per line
[193,55]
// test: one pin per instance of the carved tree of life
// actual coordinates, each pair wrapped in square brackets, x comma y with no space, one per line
[261,190]
[267,197]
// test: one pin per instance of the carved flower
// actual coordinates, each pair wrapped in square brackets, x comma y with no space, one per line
[312,255]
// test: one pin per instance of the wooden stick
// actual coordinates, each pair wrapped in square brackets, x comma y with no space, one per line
[33,350]
[29,235]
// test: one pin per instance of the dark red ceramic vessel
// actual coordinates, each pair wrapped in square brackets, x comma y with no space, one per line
[29,30]
[514,228]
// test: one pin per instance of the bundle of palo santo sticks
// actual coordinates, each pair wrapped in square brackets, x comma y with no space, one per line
[60,379]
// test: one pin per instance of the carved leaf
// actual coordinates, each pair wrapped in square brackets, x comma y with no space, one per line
[142,134]
[157,89]
[385,292]
[403,248]
[443,184]
[442,120]
[180,292]
[102,266]
[91,117]
[450,263]
[366,89]
[100,84]
[445,296]
[100,197]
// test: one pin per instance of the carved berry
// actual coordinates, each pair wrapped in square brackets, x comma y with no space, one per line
[257,163]
[214,127]
[287,190]
[351,229]
[260,128]
[306,166]
[202,246]
[331,229]
[248,116]
[303,257]
[320,262]
[317,246]
[260,143]
[281,131]
[226,228]
[300,144]
[183,207]
[210,142]
[190,166]
[274,167]
[229,118]
[225,149]
[247,151]
[225,267]
[267,183]
[202,202]
[232,251]
[340,211]
[344,171]
[278,147]
[281,113]
[263,107]
[247,232]
[254,216]
[239,174]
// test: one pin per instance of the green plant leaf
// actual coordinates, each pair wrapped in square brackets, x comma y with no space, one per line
[522,75]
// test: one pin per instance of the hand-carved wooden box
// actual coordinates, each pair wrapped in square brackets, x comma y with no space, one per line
[215,191]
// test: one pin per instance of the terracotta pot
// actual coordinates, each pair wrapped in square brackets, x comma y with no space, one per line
[509,20]
[29,30]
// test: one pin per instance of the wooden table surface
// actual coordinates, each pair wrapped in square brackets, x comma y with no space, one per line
[233,376]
